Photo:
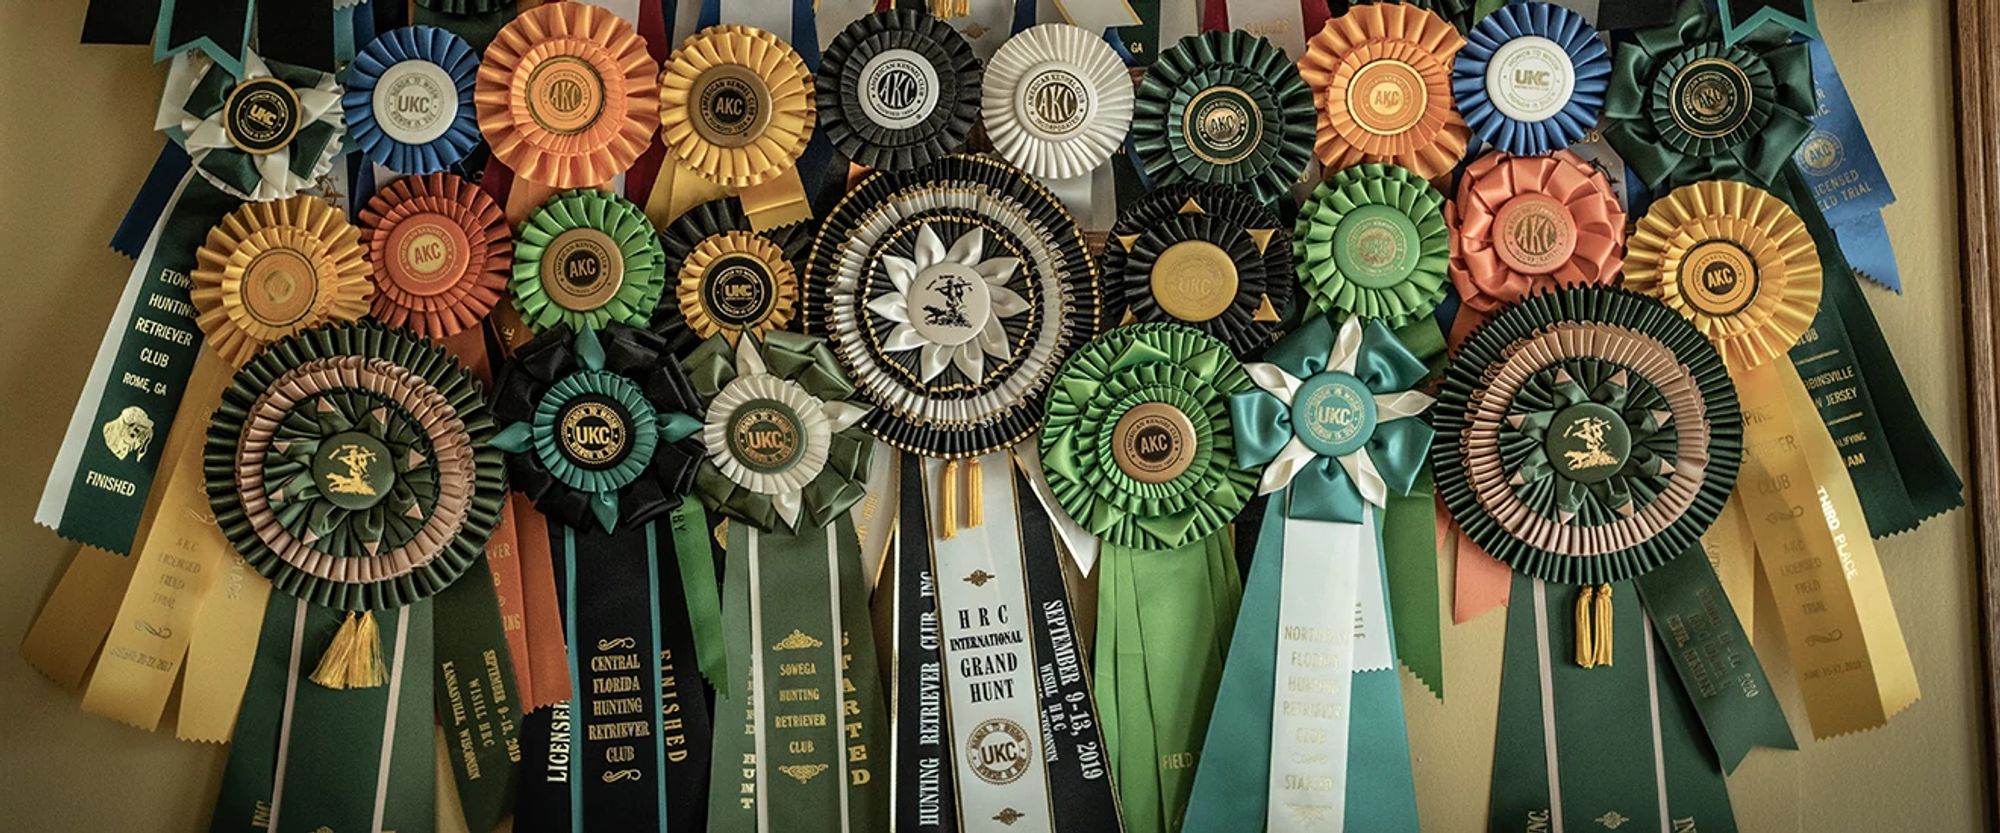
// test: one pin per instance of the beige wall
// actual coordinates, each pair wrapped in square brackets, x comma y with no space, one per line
[75,141]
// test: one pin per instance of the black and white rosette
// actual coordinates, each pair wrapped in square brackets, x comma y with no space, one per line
[898,89]
[1208,256]
[1057,102]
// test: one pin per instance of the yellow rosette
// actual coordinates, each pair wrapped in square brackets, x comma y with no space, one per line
[720,263]
[271,269]
[1741,265]
[1381,76]
[567,96]
[736,110]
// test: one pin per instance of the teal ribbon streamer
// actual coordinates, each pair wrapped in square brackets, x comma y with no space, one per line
[1381,785]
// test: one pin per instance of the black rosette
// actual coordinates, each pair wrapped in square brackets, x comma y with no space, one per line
[700,246]
[1207,256]
[1458,13]
[951,295]
[898,89]
[1227,108]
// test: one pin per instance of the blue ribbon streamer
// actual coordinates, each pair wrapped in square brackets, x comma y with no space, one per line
[414,43]
[1591,69]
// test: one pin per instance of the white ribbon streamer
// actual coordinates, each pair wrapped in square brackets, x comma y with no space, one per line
[1319,637]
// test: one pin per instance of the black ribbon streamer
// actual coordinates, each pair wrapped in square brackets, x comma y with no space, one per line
[129,22]
[1635,14]
[610,620]
[925,799]
[542,795]
[293,31]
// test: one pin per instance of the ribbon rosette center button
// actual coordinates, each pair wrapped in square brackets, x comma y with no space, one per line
[1153,443]
[1718,277]
[1386,96]
[1222,125]
[1534,234]
[353,470]
[950,303]
[766,436]
[565,95]
[1710,98]
[1376,246]
[1333,414]
[1588,442]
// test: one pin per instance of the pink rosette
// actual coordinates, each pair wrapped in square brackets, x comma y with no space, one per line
[1525,222]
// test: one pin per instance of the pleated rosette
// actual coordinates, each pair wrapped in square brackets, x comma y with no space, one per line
[728,277]
[897,89]
[1208,256]
[587,258]
[951,295]
[266,135]
[1372,241]
[1525,222]
[1227,108]
[440,254]
[783,448]
[1056,101]
[351,465]
[1683,106]
[1531,78]
[736,105]
[272,269]
[599,426]
[409,99]
[1381,77]
[1459,13]
[1587,436]
[567,95]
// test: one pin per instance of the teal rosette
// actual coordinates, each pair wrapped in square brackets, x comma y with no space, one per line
[1372,241]
[1564,62]
[587,258]
[784,446]
[267,134]
[1683,106]
[1225,108]
[409,99]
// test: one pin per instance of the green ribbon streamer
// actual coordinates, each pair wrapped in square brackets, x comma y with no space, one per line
[333,756]
[1232,785]
[802,697]
[1409,535]
[732,802]
[477,28]
[867,709]
[244,803]
[477,705]
[694,551]
[1713,658]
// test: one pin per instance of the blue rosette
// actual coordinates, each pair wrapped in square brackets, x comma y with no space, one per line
[409,99]
[1531,78]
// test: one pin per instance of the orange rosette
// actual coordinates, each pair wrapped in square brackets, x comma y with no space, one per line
[440,252]
[1381,76]
[272,269]
[1521,223]
[567,95]
[736,105]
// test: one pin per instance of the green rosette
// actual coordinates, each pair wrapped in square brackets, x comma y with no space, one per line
[1138,445]
[1586,436]
[352,466]
[785,451]
[1682,106]
[586,258]
[1372,241]
[1225,108]
[1461,14]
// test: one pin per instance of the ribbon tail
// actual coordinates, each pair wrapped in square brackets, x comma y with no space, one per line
[1411,563]
[1712,657]
[1381,782]
[694,554]
[1230,790]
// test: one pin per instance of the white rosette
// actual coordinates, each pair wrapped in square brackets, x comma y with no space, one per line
[818,419]
[204,133]
[1057,101]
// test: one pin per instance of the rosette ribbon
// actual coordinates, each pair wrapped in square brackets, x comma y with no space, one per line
[1308,731]
[1139,449]
[587,259]
[599,426]
[1531,78]
[898,89]
[1057,102]
[728,278]
[1372,241]
[1587,438]
[1207,256]
[1744,268]
[1381,77]
[1226,108]
[736,112]
[409,100]
[567,97]
[784,459]
[266,133]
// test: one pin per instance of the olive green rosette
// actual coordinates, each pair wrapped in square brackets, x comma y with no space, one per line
[1372,241]
[1226,108]
[586,258]
[1684,107]
[784,448]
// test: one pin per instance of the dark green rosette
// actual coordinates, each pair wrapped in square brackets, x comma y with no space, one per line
[1684,107]
[1203,255]
[587,258]
[1372,241]
[352,465]
[1461,14]
[1227,108]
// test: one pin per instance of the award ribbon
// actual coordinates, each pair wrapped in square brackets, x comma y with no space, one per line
[266,133]
[1225,108]
[1206,256]
[567,96]
[409,100]
[1531,78]
[586,259]
[1381,78]
[1845,178]
[736,111]
[1057,102]
[729,279]
[1372,241]
[897,90]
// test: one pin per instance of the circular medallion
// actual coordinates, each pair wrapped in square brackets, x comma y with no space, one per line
[593,432]
[1194,280]
[1333,413]
[732,105]
[565,95]
[353,470]
[1718,277]
[427,254]
[1821,154]
[1529,78]
[1534,234]
[1222,125]
[261,115]
[279,286]
[1376,246]
[582,269]
[415,102]
[1386,96]
[738,290]
[999,751]
[765,436]
[1054,102]
[1153,442]
[949,303]
[1710,98]
[899,89]
[1588,442]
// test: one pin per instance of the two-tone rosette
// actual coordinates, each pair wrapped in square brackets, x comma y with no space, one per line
[567,96]
[784,458]
[409,100]
[1381,77]
[351,466]
[951,294]
[1372,241]
[1308,732]
[1683,106]
[1211,257]
[599,426]
[587,258]
[1057,102]
[1522,223]
[1140,449]
[1225,108]
[440,253]
[266,134]
[898,89]
[736,111]
[1740,264]
[1587,438]
[1531,78]
[728,278]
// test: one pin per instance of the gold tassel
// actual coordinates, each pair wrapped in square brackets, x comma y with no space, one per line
[975,511]
[948,520]
[1586,646]
[947,9]
[354,660]
[1600,626]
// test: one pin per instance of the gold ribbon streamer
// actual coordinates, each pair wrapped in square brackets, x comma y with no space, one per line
[1732,553]
[66,634]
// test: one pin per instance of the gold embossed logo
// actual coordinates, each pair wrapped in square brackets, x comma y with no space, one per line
[1194,280]
[999,751]
[1718,277]
[1533,234]
[1590,432]
[279,286]
[129,433]
[1153,443]
[582,269]
[1333,413]
[1386,97]
[732,105]
[261,115]
[593,433]
[1710,98]
[358,459]
[565,95]
[1588,442]
[1057,101]
[1821,153]
[1221,125]
[764,435]
[1378,244]
[738,291]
